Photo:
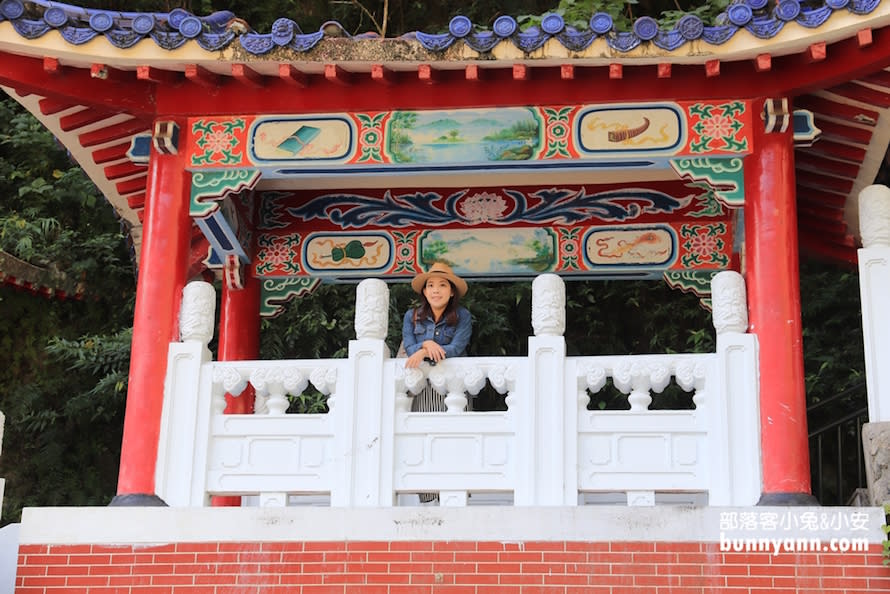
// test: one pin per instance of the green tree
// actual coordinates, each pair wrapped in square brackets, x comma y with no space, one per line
[64,360]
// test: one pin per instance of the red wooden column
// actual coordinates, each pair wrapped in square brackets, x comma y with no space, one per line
[239,340]
[163,263]
[772,278]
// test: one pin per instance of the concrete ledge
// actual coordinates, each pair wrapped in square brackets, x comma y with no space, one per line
[122,525]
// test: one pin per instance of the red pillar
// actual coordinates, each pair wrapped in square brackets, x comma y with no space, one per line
[239,340]
[163,262]
[773,282]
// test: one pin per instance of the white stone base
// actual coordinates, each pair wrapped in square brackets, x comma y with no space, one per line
[602,523]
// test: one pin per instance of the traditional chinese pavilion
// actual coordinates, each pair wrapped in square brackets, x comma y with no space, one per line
[706,156]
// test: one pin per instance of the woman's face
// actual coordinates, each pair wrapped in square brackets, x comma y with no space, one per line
[438,291]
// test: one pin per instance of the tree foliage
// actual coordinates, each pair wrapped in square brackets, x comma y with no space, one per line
[64,390]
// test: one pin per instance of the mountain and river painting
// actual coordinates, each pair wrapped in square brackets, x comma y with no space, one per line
[517,251]
[466,136]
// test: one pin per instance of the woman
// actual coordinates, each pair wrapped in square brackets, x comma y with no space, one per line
[439,327]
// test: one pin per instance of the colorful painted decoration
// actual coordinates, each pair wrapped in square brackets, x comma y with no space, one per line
[725,176]
[507,206]
[682,220]
[607,136]
[276,293]
[217,142]
[654,246]
[721,127]
[522,251]
[339,252]
[296,140]
[637,129]
[463,136]
[804,125]
[596,231]
[697,282]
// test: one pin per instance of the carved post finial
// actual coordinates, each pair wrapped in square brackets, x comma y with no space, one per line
[197,312]
[371,309]
[548,305]
[874,216]
[729,302]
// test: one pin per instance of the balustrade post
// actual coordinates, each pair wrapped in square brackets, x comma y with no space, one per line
[365,412]
[733,407]
[185,416]
[874,287]
[547,425]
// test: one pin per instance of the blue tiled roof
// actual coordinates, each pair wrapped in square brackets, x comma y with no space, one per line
[33,19]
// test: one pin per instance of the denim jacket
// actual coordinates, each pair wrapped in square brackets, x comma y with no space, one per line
[454,339]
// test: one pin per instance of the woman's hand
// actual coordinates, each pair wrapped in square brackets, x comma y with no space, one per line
[430,350]
[416,359]
[433,350]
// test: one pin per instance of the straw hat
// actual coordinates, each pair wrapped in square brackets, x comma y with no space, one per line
[440,270]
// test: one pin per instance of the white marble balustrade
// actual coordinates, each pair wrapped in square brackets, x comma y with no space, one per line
[546,448]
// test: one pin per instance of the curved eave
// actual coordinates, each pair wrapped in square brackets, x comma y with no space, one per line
[359,54]
[99,141]
[39,281]
[95,97]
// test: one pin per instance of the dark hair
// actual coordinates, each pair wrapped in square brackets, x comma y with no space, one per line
[425,311]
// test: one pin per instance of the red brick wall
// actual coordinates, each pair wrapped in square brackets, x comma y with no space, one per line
[441,567]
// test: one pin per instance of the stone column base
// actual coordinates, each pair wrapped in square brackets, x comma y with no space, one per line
[876,446]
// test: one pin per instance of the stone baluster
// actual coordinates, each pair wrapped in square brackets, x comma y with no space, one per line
[874,287]
[638,380]
[592,378]
[456,381]
[226,380]
[691,376]
[415,380]
[276,383]
[325,381]
[503,380]
[403,401]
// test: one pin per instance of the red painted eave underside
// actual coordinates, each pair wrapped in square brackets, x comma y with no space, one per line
[501,83]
